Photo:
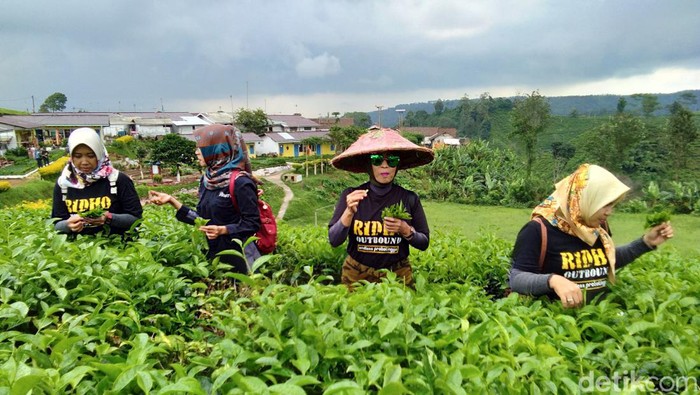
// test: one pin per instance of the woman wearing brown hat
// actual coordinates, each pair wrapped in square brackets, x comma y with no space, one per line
[377,241]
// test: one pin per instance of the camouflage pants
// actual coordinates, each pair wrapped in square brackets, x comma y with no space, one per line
[353,271]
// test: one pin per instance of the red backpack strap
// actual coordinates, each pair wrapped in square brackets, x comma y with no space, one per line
[543,246]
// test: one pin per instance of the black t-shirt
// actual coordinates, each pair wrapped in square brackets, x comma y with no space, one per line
[367,241]
[98,194]
[566,255]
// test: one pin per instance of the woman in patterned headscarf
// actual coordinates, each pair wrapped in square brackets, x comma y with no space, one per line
[89,184]
[579,257]
[221,149]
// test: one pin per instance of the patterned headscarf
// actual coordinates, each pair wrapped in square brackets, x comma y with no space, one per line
[223,150]
[576,198]
[71,177]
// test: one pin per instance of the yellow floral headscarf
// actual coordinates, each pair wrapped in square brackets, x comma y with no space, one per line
[576,198]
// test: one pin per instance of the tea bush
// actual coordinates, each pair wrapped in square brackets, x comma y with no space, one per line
[98,315]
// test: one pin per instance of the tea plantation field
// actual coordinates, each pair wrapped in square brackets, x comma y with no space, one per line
[99,316]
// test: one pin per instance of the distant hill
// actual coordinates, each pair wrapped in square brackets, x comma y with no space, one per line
[7,111]
[560,105]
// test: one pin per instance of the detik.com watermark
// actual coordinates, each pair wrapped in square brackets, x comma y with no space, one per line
[631,380]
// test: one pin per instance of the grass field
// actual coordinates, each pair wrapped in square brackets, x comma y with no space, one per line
[505,223]
[313,205]
[470,221]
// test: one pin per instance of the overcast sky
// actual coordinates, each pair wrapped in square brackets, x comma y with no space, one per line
[317,57]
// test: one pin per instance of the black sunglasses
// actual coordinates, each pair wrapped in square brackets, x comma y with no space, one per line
[378,159]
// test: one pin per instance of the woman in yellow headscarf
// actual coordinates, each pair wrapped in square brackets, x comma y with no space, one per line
[566,248]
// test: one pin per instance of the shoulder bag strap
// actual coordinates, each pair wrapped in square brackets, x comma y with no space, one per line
[543,246]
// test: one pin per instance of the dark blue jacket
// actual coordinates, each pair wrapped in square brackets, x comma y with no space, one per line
[216,206]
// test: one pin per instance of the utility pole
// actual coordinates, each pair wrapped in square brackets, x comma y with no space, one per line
[380,115]
[232,110]
[400,111]
[33,108]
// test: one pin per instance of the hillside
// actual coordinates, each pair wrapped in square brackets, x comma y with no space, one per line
[7,111]
[593,105]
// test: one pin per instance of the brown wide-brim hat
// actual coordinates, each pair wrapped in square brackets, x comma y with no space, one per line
[356,158]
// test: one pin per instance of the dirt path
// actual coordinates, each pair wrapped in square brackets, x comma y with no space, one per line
[273,177]
[276,179]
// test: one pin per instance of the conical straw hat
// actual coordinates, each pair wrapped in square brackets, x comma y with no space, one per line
[356,157]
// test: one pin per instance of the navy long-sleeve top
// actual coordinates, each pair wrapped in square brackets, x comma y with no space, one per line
[216,206]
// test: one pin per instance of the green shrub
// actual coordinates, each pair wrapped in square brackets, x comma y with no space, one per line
[29,191]
[19,152]
[124,139]
[478,173]
[635,205]
[52,171]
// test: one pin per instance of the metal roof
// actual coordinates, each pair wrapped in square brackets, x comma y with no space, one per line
[221,117]
[293,121]
[249,138]
[295,137]
[66,119]
[329,122]
[190,121]
[12,120]
[430,131]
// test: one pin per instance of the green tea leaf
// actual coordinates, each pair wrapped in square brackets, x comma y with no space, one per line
[286,389]
[25,384]
[74,376]
[387,326]
[657,218]
[199,221]
[198,237]
[96,212]
[396,211]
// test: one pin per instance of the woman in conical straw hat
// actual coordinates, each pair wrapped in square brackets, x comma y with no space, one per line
[379,239]
[566,251]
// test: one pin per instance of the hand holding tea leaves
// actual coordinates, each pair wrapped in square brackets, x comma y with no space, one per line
[161,198]
[657,218]
[397,211]
[211,231]
[93,217]
[660,229]
[394,220]
[198,235]
[96,212]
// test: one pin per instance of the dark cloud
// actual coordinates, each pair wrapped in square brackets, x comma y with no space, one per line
[134,53]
